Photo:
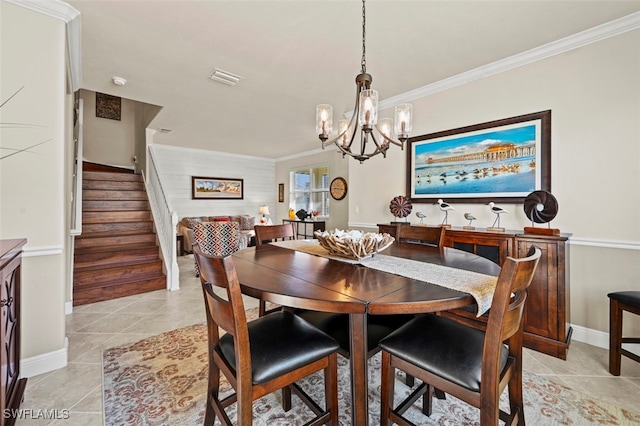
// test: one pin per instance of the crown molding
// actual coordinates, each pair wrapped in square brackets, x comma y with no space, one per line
[575,41]
[54,8]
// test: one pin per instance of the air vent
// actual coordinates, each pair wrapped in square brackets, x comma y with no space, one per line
[225,77]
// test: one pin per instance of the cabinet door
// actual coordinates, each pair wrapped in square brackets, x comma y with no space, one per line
[488,245]
[540,314]
[9,335]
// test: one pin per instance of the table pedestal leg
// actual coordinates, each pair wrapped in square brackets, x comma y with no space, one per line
[359,376]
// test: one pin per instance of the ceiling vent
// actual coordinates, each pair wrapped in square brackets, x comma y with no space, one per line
[224,77]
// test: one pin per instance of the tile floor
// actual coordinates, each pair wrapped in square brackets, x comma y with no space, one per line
[93,328]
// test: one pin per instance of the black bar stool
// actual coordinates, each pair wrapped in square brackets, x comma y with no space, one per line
[619,302]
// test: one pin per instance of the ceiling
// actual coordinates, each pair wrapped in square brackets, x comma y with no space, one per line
[293,55]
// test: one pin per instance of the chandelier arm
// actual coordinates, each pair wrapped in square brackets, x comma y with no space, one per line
[388,139]
[380,149]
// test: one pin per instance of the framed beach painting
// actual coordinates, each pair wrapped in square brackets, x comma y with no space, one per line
[502,161]
[216,188]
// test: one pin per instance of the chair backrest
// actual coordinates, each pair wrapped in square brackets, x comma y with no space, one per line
[505,316]
[432,235]
[229,313]
[268,233]
[217,238]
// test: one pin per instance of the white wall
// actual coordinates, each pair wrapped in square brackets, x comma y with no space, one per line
[32,183]
[177,166]
[594,95]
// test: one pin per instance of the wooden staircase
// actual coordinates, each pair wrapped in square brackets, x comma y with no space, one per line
[117,254]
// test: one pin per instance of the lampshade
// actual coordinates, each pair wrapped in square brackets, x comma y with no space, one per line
[263,210]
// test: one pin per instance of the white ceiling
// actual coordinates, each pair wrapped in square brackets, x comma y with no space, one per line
[296,54]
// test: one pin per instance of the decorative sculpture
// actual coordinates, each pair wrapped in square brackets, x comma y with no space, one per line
[445,207]
[541,207]
[470,218]
[400,207]
[497,211]
[421,216]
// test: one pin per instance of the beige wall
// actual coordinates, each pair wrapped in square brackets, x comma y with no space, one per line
[594,95]
[338,210]
[107,141]
[32,183]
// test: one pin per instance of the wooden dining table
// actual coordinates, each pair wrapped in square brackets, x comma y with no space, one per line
[301,280]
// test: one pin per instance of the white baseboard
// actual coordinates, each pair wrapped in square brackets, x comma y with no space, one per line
[44,363]
[597,338]
[68,308]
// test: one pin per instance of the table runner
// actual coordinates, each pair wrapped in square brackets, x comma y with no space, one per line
[480,286]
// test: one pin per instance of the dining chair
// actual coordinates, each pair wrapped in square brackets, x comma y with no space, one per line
[261,356]
[619,302]
[266,234]
[216,238]
[470,364]
[432,235]
[269,233]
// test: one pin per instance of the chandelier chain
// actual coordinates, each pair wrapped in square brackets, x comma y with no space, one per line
[363,63]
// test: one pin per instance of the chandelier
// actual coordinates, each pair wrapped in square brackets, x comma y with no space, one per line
[364,120]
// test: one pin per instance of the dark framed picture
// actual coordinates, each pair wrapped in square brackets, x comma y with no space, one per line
[108,106]
[502,161]
[281,192]
[216,188]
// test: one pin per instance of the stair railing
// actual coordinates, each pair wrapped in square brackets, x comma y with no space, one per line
[165,220]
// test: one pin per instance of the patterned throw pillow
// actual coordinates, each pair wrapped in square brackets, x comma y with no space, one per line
[217,238]
[247,222]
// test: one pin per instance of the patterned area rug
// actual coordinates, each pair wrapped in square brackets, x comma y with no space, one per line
[161,380]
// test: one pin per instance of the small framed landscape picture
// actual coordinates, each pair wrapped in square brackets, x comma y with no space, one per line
[212,188]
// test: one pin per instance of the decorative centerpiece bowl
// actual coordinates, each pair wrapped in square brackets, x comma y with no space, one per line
[353,244]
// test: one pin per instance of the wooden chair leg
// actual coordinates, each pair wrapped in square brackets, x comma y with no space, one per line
[286,398]
[615,337]
[262,307]
[387,389]
[331,389]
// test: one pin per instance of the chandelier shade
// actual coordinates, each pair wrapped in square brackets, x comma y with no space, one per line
[375,135]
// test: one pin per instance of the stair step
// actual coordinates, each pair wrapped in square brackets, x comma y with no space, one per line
[125,244]
[82,297]
[97,230]
[117,216]
[112,242]
[111,258]
[123,177]
[83,280]
[112,185]
[114,205]
[98,194]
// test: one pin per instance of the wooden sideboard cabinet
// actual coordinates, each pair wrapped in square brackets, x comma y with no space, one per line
[306,228]
[12,384]
[546,315]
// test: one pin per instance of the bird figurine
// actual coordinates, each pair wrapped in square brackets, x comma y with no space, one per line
[445,207]
[470,218]
[497,211]
[421,216]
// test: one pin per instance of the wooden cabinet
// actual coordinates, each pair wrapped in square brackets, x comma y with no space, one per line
[12,385]
[305,229]
[546,316]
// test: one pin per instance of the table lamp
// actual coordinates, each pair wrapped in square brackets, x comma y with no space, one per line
[264,211]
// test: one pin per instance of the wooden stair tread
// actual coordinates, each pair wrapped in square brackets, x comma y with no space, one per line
[117,253]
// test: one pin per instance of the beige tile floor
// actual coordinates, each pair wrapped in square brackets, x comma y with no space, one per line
[93,328]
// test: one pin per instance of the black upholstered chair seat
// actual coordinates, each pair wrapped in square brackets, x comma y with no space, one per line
[280,343]
[442,347]
[627,297]
[336,325]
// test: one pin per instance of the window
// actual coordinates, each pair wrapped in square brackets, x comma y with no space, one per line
[310,189]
